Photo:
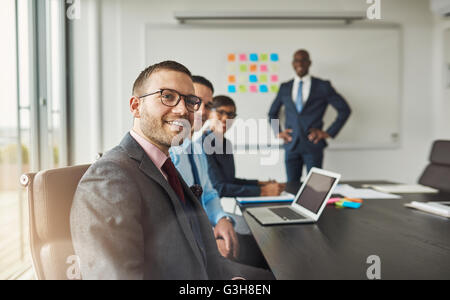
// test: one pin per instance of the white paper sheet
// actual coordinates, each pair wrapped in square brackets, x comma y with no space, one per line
[351,192]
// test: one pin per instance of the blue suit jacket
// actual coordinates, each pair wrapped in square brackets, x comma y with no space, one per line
[222,172]
[322,94]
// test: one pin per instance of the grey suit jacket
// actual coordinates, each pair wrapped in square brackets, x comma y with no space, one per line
[128,223]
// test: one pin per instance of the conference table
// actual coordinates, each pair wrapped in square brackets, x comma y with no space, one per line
[410,244]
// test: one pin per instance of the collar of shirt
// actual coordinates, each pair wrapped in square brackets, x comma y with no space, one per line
[305,79]
[156,156]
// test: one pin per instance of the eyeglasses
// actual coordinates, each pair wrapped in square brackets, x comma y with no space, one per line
[171,98]
[221,113]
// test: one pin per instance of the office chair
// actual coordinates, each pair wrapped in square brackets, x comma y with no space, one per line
[437,173]
[50,195]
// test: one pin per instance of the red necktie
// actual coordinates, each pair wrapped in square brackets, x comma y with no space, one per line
[173,179]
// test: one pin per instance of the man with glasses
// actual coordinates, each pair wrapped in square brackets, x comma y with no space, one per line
[133,216]
[191,162]
[221,158]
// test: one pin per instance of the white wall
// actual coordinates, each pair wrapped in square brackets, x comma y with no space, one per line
[122,53]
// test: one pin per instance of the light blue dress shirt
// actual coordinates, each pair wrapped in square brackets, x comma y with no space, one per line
[210,197]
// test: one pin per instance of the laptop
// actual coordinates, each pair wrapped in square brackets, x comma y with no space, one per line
[308,204]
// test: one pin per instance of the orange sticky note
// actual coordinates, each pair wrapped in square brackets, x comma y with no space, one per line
[231,57]
[231,79]
[253,68]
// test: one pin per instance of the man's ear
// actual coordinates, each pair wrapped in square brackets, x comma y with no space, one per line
[134,107]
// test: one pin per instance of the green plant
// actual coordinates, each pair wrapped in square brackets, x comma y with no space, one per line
[10,154]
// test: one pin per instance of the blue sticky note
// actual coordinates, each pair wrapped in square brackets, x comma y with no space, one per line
[231,89]
[253,57]
[274,57]
[253,78]
[263,88]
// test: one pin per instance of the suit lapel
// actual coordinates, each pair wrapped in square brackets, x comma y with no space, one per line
[311,92]
[148,168]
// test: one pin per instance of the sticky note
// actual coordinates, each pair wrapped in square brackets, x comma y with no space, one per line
[231,89]
[253,68]
[274,88]
[242,79]
[232,68]
[263,78]
[274,57]
[254,88]
[263,68]
[231,79]
[274,68]
[274,78]
[253,57]
[243,57]
[243,68]
[242,88]
[264,57]
[263,88]
[253,78]
[231,57]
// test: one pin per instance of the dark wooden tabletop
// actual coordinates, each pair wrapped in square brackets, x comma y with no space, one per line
[410,244]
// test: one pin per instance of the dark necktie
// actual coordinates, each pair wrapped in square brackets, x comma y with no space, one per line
[173,179]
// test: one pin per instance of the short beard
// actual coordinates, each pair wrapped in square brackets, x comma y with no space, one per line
[153,129]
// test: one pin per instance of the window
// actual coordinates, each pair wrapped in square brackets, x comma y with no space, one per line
[33,115]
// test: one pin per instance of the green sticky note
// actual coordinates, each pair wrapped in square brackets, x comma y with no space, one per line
[264,57]
[242,88]
[243,68]
[263,78]
[274,88]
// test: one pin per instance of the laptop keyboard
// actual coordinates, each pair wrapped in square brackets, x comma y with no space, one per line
[286,213]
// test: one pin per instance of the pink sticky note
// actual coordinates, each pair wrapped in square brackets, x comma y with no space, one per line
[263,68]
[333,200]
[274,78]
[243,57]
[254,88]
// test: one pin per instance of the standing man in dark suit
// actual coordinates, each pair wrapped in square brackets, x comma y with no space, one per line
[133,216]
[306,99]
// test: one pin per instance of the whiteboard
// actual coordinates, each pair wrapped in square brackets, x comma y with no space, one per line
[361,61]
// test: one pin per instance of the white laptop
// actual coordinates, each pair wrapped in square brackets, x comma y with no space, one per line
[308,205]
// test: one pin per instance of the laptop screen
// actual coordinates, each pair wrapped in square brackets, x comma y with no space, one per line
[315,192]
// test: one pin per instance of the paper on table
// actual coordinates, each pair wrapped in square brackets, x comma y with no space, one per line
[285,197]
[351,192]
[402,188]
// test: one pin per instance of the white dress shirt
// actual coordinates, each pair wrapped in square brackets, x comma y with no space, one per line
[305,90]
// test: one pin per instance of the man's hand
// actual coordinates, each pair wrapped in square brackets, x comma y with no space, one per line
[271,189]
[316,135]
[286,135]
[226,239]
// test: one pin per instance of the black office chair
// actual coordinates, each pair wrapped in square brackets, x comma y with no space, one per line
[437,173]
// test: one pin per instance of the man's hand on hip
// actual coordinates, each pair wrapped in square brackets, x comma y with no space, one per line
[316,135]
[285,135]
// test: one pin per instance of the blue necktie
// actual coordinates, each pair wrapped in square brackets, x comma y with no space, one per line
[194,167]
[299,100]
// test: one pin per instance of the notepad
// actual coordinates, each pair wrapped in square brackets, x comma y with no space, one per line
[284,197]
[351,192]
[437,208]
[402,188]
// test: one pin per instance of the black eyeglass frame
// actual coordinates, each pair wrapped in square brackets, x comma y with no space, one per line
[161,91]
[230,116]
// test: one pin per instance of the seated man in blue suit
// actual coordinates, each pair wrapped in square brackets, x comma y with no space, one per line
[306,99]
[190,160]
[222,170]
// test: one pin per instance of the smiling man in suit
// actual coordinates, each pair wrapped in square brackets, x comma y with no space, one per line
[133,216]
[306,99]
